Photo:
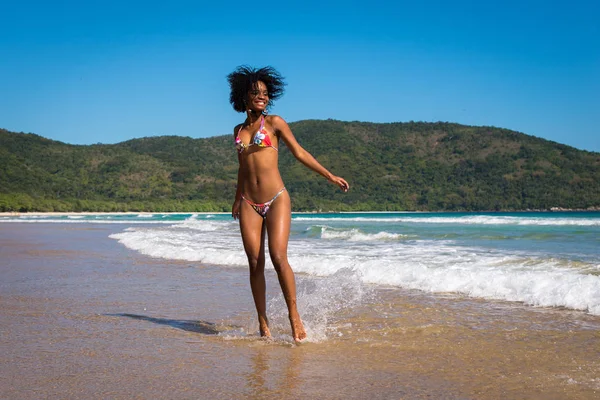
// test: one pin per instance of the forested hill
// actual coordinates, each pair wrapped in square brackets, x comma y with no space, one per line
[394,166]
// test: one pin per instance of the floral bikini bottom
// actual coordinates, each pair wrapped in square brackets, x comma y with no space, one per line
[263,208]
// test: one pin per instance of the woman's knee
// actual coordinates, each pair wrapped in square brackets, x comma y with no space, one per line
[256,263]
[279,261]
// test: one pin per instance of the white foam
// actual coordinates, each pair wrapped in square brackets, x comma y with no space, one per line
[441,269]
[145,215]
[439,266]
[468,220]
[320,301]
[203,225]
[184,242]
[85,221]
[356,235]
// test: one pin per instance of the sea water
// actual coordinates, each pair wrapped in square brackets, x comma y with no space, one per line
[535,258]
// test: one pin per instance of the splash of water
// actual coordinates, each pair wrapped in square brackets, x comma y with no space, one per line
[320,300]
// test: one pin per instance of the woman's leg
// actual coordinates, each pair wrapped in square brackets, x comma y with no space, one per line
[278,221]
[252,228]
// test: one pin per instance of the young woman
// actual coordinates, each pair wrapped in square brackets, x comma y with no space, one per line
[262,204]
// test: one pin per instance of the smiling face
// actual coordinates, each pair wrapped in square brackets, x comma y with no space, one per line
[258,97]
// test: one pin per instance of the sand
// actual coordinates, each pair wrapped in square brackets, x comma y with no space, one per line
[84,317]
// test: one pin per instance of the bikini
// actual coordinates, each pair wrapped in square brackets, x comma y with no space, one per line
[261,139]
[263,208]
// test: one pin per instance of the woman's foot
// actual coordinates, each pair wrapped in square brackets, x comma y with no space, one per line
[298,332]
[263,324]
[265,332]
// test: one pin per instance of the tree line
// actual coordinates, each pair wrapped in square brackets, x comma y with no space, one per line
[391,167]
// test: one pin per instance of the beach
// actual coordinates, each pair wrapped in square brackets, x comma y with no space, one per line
[85,316]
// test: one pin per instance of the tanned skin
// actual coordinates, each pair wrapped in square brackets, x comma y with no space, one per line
[259,180]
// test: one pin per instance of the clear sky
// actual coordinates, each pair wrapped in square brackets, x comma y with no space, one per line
[92,71]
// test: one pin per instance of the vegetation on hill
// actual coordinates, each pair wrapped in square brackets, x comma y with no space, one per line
[395,166]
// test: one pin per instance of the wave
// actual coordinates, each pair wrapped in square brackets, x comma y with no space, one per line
[432,266]
[536,282]
[85,221]
[132,219]
[354,234]
[383,218]
[207,225]
[470,220]
[187,242]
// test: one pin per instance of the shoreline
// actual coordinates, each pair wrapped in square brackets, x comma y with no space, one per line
[63,213]
[149,213]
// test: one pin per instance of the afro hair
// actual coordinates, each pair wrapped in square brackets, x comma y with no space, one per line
[245,78]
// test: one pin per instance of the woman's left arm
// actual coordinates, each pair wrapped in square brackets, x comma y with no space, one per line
[285,134]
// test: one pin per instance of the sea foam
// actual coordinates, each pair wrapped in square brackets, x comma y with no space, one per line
[438,266]
[356,235]
[467,220]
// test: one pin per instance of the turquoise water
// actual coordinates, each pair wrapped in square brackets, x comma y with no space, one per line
[542,259]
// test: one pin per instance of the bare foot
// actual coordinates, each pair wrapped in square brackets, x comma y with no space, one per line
[264,327]
[265,332]
[298,332]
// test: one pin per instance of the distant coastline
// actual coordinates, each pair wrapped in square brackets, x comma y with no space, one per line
[417,166]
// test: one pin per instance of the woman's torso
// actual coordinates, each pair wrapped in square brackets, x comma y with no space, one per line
[260,178]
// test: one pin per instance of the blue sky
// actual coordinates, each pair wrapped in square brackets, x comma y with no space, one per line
[88,72]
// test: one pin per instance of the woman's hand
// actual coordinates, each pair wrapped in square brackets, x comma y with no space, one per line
[235,209]
[341,182]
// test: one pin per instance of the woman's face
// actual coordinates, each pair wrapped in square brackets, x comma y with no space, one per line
[258,97]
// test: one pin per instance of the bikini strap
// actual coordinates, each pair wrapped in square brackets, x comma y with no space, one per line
[238,132]
[262,125]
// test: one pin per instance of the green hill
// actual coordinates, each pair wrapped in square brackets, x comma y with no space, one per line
[395,166]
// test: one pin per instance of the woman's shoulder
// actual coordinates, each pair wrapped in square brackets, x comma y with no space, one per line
[236,129]
[275,120]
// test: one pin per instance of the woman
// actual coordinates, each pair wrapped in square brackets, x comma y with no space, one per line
[262,204]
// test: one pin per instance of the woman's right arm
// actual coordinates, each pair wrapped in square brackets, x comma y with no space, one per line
[235,208]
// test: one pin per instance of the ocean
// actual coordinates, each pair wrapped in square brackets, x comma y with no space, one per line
[549,259]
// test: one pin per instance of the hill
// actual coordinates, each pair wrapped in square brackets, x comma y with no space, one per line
[393,166]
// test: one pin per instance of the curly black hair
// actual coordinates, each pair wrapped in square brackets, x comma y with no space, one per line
[244,79]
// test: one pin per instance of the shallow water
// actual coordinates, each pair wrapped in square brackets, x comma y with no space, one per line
[542,259]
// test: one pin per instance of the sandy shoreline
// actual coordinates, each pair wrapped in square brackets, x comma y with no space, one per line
[84,317]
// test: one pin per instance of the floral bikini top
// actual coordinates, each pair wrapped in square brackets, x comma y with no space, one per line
[261,138]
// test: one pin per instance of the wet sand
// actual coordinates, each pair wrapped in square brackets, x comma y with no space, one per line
[84,317]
